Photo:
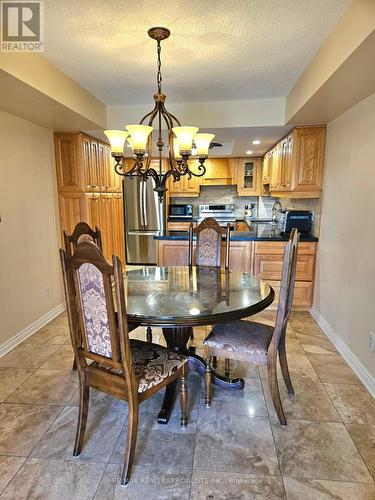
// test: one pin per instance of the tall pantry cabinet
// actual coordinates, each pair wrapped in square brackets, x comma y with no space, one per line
[89,189]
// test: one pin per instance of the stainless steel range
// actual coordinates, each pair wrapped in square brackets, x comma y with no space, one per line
[221,213]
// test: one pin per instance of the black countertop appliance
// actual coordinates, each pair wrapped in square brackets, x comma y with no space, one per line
[300,219]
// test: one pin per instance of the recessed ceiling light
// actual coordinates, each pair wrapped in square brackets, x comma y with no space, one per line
[257,141]
[249,152]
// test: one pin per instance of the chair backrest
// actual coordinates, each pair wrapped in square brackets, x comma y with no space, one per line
[102,335]
[208,244]
[288,277]
[82,232]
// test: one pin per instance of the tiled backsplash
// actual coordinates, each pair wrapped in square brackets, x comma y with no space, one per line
[263,204]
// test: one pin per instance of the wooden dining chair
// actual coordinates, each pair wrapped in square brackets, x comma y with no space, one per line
[131,370]
[256,342]
[208,253]
[82,232]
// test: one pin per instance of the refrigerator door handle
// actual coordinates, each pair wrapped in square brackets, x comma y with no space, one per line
[141,202]
[144,204]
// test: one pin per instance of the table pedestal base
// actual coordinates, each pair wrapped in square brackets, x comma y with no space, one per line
[177,339]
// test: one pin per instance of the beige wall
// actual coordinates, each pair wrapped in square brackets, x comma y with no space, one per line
[29,263]
[345,281]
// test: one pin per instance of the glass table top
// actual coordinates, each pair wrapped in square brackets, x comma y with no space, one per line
[192,296]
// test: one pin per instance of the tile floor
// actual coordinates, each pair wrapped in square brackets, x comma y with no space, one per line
[234,450]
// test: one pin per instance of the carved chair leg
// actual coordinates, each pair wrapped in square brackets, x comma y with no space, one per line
[184,396]
[84,394]
[284,366]
[149,334]
[74,367]
[274,389]
[207,379]
[131,439]
[227,367]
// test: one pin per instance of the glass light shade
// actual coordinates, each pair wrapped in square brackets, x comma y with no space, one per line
[117,140]
[202,143]
[139,135]
[176,149]
[185,137]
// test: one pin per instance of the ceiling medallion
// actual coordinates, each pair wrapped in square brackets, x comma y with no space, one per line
[181,140]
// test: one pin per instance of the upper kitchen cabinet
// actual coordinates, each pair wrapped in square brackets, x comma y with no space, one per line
[247,174]
[294,167]
[185,187]
[84,164]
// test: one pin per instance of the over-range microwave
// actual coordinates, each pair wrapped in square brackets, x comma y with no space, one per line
[180,212]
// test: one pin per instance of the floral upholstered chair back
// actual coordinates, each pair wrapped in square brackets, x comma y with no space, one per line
[208,243]
[94,309]
[91,294]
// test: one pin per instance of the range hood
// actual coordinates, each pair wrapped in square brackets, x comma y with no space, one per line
[218,173]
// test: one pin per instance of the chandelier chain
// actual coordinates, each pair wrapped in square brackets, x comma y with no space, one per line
[159,77]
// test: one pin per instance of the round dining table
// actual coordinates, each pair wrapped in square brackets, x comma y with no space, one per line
[177,298]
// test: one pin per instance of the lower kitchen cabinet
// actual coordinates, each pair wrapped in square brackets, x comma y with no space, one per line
[176,253]
[261,258]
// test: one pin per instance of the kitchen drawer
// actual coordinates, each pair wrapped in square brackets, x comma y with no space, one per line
[277,247]
[269,267]
[303,294]
[178,226]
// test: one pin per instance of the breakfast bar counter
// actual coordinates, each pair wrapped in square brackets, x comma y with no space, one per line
[259,252]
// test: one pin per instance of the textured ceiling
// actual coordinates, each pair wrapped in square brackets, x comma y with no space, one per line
[219,50]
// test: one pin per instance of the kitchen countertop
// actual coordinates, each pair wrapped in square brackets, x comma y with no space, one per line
[258,232]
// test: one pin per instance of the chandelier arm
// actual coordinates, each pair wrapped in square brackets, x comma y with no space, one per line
[171,116]
[154,110]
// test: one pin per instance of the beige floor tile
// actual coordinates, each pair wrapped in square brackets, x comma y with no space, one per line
[8,468]
[248,402]
[364,439]
[22,426]
[316,450]
[304,324]
[103,429]
[153,483]
[223,485]
[11,378]
[172,449]
[299,368]
[316,345]
[28,356]
[61,359]
[50,387]
[101,400]
[56,334]
[310,402]
[62,319]
[332,368]
[54,480]
[235,443]
[293,345]
[313,489]
[353,402]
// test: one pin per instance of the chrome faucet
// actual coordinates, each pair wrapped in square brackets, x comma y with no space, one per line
[276,207]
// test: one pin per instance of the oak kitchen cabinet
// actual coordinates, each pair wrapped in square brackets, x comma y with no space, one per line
[261,258]
[247,175]
[88,189]
[294,166]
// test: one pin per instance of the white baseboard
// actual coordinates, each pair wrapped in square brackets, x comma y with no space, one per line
[31,329]
[362,373]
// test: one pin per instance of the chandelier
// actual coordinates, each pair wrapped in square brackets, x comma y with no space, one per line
[181,140]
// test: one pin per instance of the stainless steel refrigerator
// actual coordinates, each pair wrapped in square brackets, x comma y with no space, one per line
[144,219]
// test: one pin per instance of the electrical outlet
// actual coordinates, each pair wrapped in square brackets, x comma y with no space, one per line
[47,293]
[371,341]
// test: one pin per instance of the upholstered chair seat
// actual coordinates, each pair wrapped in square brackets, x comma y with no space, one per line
[152,363]
[244,340]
